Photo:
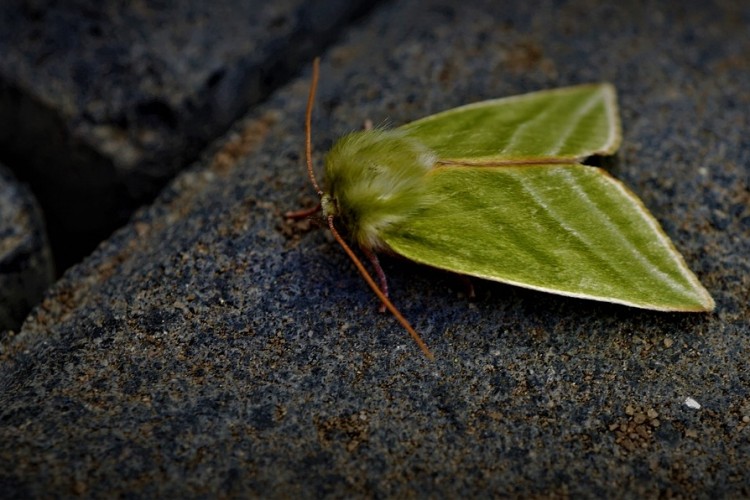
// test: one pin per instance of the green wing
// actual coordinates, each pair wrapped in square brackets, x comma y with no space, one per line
[567,229]
[566,123]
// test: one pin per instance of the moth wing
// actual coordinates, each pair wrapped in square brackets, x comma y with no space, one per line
[567,123]
[566,229]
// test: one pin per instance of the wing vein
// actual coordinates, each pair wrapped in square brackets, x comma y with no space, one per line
[560,219]
[573,124]
[618,236]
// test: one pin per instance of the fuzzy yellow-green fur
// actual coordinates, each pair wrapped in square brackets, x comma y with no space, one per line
[374,180]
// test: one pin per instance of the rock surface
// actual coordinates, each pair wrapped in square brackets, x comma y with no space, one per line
[209,348]
[25,260]
[100,104]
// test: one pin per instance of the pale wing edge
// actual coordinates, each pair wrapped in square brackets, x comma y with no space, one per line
[707,303]
[611,105]
[701,295]
[656,228]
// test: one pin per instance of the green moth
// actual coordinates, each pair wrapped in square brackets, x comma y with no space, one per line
[497,190]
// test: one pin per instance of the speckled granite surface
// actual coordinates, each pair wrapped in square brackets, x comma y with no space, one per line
[208,348]
[102,103]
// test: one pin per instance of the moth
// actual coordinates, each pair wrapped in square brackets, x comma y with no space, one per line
[497,190]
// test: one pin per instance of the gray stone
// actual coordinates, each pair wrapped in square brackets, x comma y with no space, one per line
[101,103]
[208,348]
[25,260]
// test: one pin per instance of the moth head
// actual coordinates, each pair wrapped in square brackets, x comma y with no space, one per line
[328,205]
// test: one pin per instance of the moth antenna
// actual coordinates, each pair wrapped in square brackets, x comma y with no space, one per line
[371,282]
[308,125]
[385,300]
[306,212]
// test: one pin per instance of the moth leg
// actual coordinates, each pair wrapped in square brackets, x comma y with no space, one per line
[379,272]
[301,214]
[468,286]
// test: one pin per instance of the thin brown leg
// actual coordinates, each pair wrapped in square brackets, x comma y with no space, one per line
[379,273]
[301,214]
[468,286]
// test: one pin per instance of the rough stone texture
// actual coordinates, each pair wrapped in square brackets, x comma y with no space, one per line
[208,348]
[25,258]
[101,103]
